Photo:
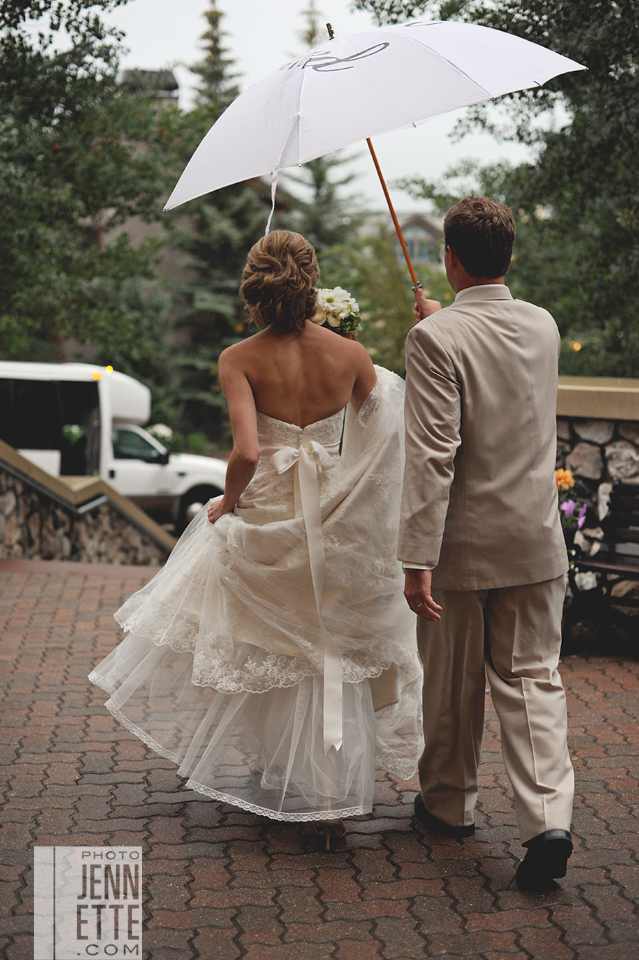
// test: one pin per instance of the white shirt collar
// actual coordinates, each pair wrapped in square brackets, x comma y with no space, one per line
[485,291]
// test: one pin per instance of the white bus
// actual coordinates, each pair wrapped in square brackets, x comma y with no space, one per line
[79,419]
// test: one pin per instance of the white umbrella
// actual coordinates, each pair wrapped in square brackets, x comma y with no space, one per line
[351,88]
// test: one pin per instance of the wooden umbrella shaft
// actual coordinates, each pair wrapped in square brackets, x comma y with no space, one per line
[400,236]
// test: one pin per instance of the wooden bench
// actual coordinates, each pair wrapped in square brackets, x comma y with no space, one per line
[618,559]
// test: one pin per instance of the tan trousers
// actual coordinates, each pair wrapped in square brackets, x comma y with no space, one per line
[512,634]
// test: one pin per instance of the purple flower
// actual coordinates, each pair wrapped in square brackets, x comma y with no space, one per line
[582,515]
[568,507]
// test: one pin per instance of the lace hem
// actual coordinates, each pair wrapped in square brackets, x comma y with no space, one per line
[332,814]
[274,671]
[185,631]
[141,735]
[102,682]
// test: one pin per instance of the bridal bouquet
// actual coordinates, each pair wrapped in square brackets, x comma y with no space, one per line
[339,310]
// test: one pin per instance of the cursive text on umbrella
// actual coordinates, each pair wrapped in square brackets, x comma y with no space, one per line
[325,63]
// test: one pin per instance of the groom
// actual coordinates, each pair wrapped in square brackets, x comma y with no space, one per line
[481,542]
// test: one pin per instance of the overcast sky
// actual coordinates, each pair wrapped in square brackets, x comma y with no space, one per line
[261,35]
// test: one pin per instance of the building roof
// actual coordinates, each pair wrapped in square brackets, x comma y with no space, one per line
[158,83]
[419,221]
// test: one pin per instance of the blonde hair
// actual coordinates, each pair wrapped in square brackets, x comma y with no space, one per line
[278,281]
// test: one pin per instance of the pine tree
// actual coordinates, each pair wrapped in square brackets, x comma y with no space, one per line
[327,217]
[222,228]
[217,89]
[310,34]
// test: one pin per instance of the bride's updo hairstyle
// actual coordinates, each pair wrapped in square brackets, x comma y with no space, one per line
[278,282]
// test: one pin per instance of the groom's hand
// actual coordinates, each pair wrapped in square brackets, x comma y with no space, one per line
[423,307]
[417,587]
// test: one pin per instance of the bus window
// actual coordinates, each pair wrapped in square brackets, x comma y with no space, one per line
[34,413]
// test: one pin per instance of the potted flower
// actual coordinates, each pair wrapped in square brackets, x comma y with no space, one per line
[572,510]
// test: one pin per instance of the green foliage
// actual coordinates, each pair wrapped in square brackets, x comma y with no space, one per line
[217,88]
[577,206]
[71,164]
[328,217]
[222,229]
[197,443]
[62,12]
[369,269]
[216,238]
[390,11]
[146,352]
[80,154]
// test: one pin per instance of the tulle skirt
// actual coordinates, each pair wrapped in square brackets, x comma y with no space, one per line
[263,752]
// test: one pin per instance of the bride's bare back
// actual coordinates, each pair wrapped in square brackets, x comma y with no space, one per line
[301,378]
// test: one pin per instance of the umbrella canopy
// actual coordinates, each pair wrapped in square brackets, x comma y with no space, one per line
[351,88]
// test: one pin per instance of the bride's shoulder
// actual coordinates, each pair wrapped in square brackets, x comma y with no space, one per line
[242,350]
[355,351]
[343,354]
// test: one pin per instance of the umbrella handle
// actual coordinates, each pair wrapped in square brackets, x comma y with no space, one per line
[416,283]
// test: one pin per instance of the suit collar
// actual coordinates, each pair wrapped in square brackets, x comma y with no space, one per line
[483,292]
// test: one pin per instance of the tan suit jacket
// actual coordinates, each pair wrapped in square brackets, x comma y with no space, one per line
[479,499]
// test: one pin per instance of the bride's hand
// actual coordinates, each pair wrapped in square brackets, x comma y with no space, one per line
[423,307]
[217,510]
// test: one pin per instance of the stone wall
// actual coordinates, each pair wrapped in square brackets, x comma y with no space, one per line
[599,452]
[36,526]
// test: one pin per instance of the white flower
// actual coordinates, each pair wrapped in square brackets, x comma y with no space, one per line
[160,431]
[336,306]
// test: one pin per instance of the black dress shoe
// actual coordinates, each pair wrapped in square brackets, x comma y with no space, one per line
[439,826]
[545,861]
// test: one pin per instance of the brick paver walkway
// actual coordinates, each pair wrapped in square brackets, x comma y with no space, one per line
[221,884]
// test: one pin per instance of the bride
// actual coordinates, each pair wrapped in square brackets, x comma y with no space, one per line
[273,657]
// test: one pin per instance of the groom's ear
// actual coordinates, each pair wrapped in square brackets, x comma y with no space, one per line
[451,253]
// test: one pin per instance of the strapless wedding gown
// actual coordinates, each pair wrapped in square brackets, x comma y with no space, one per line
[273,658]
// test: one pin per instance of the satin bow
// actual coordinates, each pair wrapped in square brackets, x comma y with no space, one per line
[308,460]
[287,457]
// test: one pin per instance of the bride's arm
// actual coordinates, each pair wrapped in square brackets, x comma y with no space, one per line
[246,449]
[365,377]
